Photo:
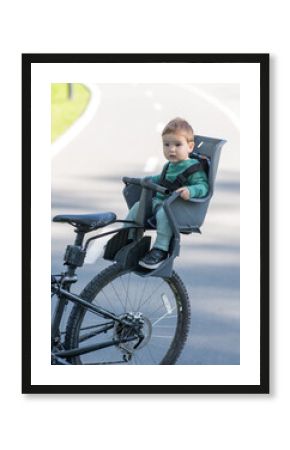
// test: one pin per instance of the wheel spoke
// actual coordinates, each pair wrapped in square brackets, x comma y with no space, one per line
[150,296]
[153,303]
[107,299]
[145,284]
[117,295]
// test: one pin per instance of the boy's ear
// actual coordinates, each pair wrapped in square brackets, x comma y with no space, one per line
[191,146]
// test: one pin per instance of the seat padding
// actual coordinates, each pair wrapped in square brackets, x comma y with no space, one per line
[92,221]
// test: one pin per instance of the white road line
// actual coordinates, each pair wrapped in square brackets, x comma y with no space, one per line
[166,337]
[151,164]
[157,106]
[149,93]
[213,101]
[80,123]
[159,127]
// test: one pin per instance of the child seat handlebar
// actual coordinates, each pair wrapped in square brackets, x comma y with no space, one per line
[145,183]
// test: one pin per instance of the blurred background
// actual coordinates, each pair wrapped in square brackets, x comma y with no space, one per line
[120,134]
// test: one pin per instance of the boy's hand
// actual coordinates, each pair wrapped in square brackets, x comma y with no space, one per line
[185,195]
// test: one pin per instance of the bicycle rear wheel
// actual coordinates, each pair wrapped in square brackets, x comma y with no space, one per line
[162,303]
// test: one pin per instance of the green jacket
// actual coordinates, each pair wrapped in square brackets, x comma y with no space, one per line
[197,183]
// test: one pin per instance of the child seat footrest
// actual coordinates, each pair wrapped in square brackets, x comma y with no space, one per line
[130,255]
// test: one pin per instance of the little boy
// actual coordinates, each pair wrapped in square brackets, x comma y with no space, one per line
[178,143]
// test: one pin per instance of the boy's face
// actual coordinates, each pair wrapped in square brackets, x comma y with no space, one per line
[176,147]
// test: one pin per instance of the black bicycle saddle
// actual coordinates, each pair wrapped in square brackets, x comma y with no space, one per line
[90,221]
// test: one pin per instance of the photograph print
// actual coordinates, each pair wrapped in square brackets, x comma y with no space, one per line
[152,226]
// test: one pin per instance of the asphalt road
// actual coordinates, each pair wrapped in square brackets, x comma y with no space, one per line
[124,139]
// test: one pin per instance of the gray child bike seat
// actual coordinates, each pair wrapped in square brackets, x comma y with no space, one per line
[189,215]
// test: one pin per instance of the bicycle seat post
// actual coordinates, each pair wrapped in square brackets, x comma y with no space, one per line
[75,255]
[79,237]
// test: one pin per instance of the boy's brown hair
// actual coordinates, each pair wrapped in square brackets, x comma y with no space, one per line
[179,125]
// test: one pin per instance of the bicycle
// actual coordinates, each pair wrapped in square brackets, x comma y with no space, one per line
[145,313]
[148,325]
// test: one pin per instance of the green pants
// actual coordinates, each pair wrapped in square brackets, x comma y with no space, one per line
[164,232]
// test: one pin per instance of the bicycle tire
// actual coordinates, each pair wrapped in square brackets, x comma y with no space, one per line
[178,295]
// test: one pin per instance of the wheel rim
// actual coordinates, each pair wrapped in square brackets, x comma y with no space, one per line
[155,299]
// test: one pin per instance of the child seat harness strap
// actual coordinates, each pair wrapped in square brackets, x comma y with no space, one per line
[182,178]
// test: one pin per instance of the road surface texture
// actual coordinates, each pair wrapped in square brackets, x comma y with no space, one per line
[124,138]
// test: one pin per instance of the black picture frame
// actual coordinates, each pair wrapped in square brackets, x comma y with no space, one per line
[263,61]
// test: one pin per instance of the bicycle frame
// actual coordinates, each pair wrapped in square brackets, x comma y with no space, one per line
[61,289]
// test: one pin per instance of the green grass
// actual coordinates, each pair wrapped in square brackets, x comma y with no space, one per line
[65,111]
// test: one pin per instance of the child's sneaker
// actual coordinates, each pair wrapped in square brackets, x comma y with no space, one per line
[153,259]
